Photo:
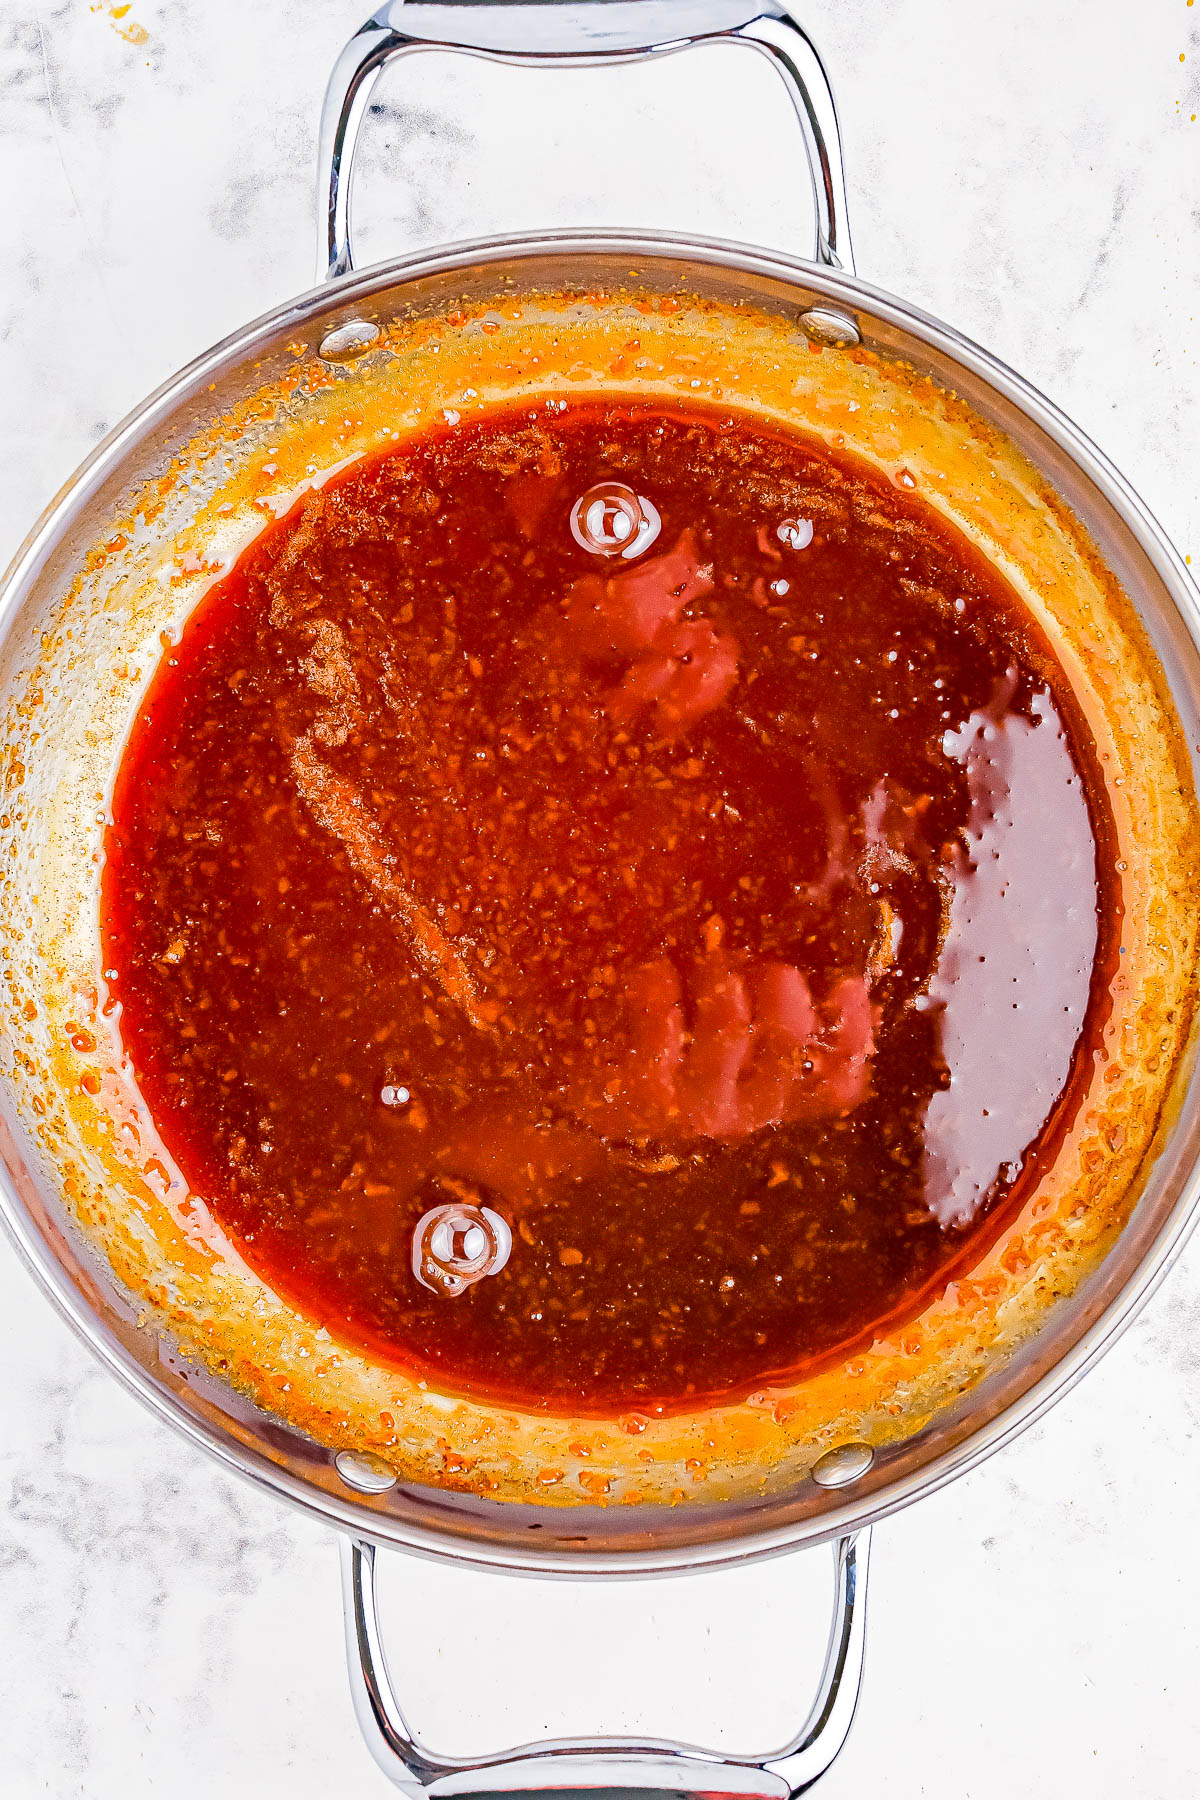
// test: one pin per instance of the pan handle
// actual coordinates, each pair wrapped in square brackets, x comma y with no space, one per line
[552,33]
[655,1766]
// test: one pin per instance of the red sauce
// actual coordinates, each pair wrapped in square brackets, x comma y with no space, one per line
[725,924]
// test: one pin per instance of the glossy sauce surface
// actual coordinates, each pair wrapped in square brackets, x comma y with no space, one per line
[610,905]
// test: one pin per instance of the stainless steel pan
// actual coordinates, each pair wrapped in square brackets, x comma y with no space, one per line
[847,1489]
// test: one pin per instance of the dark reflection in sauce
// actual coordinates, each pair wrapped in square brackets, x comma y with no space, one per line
[697,892]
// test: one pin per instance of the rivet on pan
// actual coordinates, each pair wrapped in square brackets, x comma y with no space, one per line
[830,328]
[842,1465]
[369,1474]
[347,341]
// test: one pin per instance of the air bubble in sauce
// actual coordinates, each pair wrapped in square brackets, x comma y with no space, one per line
[611,520]
[797,534]
[457,1244]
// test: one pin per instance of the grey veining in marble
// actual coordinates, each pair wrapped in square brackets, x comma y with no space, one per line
[1030,172]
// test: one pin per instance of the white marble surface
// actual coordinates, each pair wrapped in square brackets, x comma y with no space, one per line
[1029,171]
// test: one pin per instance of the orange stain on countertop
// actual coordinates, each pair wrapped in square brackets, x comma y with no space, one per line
[118,18]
